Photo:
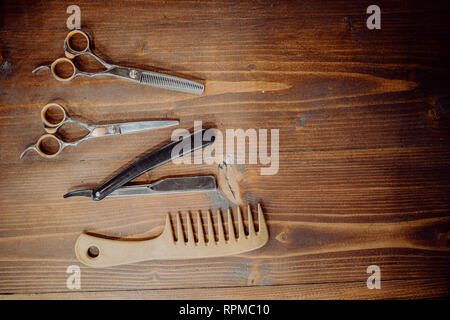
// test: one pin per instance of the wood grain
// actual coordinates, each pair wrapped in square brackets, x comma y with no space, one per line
[363,119]
[396,289]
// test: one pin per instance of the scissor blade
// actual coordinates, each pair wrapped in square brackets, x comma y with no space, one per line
[139,126]
[169,185]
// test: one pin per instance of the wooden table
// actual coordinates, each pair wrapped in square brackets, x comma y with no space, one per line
[363,119]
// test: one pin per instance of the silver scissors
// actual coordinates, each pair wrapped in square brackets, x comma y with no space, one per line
[155,79]
[95,131]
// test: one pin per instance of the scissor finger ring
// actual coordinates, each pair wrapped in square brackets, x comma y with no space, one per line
[42,147]
[71,52]
[56,73]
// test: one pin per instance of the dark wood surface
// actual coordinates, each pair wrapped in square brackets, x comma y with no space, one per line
[363,115]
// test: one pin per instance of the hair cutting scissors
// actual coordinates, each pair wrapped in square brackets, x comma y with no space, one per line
[133,74]
[95,131]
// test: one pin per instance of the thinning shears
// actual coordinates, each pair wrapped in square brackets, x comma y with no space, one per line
[151,78]
[95,131]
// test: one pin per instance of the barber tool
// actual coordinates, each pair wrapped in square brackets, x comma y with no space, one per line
[169,186]
[151,78]
[98,252]
[164,154]
[95,131]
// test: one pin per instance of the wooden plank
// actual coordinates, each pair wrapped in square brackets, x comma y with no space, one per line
[361,224]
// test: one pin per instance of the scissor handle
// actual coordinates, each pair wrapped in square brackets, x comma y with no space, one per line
[49,126]
[39,149]
[71,52]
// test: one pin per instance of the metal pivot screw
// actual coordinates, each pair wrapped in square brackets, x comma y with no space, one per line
[133,74]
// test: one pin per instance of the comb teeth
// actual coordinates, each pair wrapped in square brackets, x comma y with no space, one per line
[223,235]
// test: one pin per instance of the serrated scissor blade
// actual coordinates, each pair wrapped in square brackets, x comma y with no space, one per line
[171,82]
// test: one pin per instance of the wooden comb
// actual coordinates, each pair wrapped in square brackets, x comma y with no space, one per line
[101,252]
